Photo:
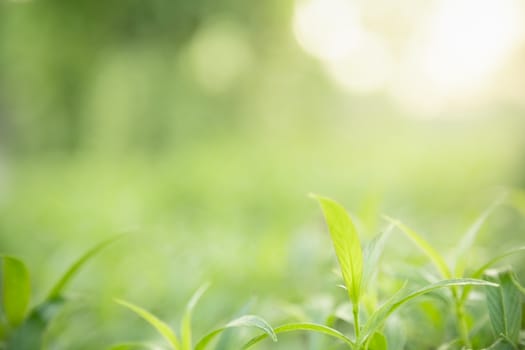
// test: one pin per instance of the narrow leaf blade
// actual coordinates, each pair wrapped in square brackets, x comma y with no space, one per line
[346,244]
[250,321]
[16,290]
[479,272]
[470,236]
[312,327]
[372,253]
[377,319]
[186,320]
[425,247]
[159,325]
[77,265]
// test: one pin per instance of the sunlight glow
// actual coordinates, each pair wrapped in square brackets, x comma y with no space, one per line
[448,57]
[468,40]
[331,31]
[367,70]
[327,29]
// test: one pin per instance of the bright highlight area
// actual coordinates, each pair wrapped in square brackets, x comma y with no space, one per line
[449,55]
[207,175]
[332,31]
[467,40]
[328,29]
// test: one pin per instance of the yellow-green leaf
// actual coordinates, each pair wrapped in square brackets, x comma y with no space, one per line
[243,321]
[425,247]
[311,327]
[159,325]
[346,244]
[16,290]
[186,321]
[76,266]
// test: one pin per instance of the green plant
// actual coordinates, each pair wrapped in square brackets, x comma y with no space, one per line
[356,268]
[459,261]
[185,340]
[22,327]
[505,309]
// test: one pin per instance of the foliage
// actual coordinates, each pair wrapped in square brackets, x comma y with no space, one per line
[25,328]
[185,341]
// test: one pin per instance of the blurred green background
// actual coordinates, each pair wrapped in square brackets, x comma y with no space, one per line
[199,127]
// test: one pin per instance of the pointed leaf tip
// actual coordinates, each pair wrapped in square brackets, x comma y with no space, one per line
[161,327]
[186,332]
[78,264]
[346,245]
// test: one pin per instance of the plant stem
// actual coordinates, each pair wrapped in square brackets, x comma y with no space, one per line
[462,323]
[355,311]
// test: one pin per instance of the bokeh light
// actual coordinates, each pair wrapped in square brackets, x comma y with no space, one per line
[328,29]
[449,58]
[219,54]
[199,127]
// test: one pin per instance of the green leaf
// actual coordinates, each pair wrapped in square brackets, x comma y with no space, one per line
[377,319]
[479,272]
[243,321]
[186,320]
[518,284]
[372,253]
[31,333]
[16,290]
[377,342]
[159,325]
[502,344]
[504,304]
[312,327]
[346,244]
[226,338]
[425,247]
[75,267]
[470,236]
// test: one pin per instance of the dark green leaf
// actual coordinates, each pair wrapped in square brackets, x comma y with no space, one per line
[504,304]
[30,334]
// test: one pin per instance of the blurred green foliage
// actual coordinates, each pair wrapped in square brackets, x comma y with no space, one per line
[199,127]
